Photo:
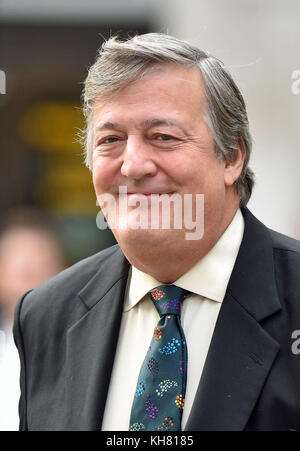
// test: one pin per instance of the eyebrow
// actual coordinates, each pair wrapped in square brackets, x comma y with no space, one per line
[107,125]
[155,122]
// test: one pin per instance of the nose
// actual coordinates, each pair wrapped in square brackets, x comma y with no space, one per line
[138,160]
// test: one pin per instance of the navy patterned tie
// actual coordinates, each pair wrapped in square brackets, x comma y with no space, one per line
[159,398]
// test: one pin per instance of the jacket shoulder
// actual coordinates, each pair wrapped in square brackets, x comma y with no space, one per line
[287,269]
[283,242]
[56,296]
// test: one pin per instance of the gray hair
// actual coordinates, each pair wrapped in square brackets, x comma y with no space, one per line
[118,63]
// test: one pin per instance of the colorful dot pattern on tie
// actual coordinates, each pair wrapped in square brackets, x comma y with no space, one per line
[159,398]
[171,347]
[179,401]
[140,388]
[153,366]
[164,386]
[157,333]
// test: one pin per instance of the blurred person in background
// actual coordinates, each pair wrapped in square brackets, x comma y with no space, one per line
[166,118]
[29,255]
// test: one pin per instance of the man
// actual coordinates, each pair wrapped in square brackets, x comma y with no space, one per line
[165,119]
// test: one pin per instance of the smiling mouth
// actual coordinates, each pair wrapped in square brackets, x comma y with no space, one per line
[146,193]
[124,191]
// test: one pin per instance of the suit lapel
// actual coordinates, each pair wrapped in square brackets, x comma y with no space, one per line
[241,353]
[91,344]
[239,360]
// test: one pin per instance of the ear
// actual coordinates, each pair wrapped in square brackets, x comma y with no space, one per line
[233,168]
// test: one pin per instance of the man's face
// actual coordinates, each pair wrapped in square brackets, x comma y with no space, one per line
[151,137]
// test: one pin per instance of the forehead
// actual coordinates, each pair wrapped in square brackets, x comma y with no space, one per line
[160,88]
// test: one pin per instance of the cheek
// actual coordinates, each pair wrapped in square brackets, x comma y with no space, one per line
[102,178]
[207,178]
[105,173]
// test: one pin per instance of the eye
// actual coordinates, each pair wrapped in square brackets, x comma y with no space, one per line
[164,137]
[108,140]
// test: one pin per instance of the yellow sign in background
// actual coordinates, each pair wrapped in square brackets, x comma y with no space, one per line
[52,127]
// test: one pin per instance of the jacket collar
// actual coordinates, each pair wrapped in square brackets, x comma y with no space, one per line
[252,281]
[114,268]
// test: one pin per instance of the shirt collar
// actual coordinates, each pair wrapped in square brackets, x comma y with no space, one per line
[209,277]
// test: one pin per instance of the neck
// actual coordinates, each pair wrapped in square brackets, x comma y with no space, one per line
[164,264]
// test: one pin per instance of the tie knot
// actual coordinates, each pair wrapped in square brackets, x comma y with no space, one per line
[167,299]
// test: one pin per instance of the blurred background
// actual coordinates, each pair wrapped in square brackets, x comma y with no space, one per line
[46,192]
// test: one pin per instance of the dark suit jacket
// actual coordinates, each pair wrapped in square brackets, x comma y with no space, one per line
[67,329]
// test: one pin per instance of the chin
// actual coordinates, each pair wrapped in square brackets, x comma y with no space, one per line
[145,238]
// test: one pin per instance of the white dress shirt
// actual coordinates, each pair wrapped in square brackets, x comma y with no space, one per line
[208,280]
[9,381]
